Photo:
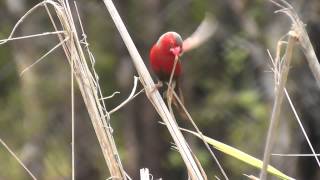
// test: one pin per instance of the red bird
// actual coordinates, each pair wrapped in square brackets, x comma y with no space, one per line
[162,60]
[170,45]
[163,54]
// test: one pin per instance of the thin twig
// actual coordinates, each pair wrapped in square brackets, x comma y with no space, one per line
[16,157]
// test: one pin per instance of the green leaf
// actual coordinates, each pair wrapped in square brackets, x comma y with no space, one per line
[240,155]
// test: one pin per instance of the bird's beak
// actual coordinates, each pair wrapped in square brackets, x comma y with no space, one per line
[176,51]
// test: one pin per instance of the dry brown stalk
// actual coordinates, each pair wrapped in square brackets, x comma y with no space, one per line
[279,93]
[299,34]
[154,95]
[299,27]
[200,134]
[88,86]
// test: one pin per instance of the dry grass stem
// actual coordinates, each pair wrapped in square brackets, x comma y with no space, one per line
[16,157]
[72,117]
[282,74]
[45,55]
[72,125]
[170,87]
[301,126]
[22,19]
[111,96]
[201,135]
[298,33]
[154,95]
[3,41]
[294,155]
[90,90]
[299,27]
[87,82]
[176,59]
[131,96]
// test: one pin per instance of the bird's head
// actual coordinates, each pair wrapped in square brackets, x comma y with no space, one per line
[170,43]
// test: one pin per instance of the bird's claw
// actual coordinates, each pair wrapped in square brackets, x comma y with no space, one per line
[156,86]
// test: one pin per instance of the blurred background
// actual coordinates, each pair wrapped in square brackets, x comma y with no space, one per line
[227,84]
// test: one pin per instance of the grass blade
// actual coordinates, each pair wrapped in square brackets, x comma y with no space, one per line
[240,155]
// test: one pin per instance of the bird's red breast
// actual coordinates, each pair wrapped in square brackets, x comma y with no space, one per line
[162,56]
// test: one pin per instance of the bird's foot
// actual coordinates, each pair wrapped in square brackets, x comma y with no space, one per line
[169,92]
[157,86]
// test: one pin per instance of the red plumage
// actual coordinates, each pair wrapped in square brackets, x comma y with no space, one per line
[162,56]
[162,59]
